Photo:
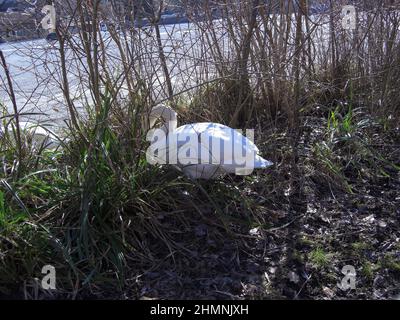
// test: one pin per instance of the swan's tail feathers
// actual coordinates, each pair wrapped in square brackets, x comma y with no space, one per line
[260,163]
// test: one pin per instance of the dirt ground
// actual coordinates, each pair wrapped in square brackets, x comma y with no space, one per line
[301,250]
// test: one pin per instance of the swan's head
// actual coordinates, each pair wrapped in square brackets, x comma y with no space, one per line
[164,115]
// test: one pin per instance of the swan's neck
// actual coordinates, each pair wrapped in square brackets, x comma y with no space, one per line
[169,126]
[168,117]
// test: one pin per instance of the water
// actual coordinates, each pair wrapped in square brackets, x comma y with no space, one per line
[34,67]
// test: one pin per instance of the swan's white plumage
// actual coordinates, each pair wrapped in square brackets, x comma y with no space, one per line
[206,163]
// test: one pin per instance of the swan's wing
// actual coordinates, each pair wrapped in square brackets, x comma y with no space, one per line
[205,150]
[217,143]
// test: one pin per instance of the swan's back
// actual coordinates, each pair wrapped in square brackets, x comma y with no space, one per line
[217,131]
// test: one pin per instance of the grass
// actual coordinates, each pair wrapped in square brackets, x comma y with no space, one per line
[391,263]
[87,206]
[319,257]
[369,270]
[361,246]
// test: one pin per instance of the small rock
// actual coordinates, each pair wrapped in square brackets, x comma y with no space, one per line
[369,219]
[254,231]
[382,224]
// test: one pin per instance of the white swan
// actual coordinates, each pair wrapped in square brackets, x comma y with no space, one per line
[40,137]
[203,150]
